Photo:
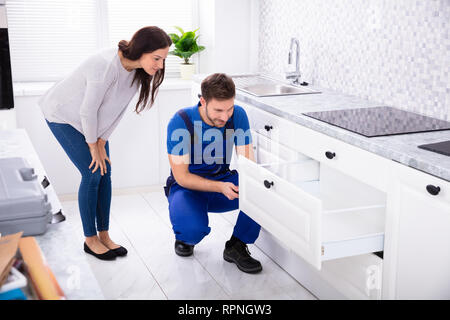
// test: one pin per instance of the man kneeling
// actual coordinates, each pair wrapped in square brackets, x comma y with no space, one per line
[200,141]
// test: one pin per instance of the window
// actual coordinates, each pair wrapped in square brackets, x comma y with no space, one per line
[49,38]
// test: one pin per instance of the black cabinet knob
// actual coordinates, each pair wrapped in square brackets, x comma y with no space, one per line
[267,127]
[268,184]
[433,190]
[330,155]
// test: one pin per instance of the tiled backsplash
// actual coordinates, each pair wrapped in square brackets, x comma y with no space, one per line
[395,52]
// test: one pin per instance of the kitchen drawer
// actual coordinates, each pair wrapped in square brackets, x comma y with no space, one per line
[337,154]
[268,151]
[353,161]
[356,278]
[320,216]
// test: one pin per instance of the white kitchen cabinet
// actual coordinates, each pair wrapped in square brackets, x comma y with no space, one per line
[420,242]
[415,246]
[314,210]
[322,211]
[358,277]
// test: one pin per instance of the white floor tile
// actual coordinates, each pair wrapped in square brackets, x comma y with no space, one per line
[179,278]
[297,292]
[124,278]
[152,270]
[158,202]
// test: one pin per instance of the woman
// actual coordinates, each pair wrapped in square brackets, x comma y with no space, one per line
[82,111]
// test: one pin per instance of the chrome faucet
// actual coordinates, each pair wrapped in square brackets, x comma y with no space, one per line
[294,76]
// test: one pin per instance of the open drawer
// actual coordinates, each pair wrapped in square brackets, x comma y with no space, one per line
[268,151]
[314,210]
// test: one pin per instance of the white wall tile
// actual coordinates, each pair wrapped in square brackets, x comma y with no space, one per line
[393,52]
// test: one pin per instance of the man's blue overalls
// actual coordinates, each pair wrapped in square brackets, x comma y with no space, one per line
[189,208]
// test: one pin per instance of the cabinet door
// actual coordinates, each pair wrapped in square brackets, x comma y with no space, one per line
[422,253]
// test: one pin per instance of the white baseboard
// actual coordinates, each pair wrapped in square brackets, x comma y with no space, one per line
[116,192]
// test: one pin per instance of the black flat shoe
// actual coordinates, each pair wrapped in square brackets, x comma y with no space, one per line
[183,249]
[120,252]
[108,255]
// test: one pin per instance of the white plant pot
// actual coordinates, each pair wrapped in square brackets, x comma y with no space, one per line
[187,70]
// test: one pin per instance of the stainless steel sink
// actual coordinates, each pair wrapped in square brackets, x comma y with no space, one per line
[264,87]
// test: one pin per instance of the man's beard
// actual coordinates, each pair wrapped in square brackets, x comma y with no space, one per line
[214,122]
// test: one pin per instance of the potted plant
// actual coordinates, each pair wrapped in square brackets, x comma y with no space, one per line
[185,46]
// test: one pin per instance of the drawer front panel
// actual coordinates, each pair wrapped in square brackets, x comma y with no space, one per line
[419,181]
[352,161]
[290,214]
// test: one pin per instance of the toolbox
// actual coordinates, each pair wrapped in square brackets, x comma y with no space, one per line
[24,205]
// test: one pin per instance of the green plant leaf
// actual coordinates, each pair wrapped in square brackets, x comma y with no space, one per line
[175,38]
[175,53]
[188,35]
[179,29]
[185,44]
[186,41]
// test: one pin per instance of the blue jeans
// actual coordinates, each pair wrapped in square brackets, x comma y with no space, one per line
[94,194]
[189,212]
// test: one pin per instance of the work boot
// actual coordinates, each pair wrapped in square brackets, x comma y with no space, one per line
[237,251]
[183,249]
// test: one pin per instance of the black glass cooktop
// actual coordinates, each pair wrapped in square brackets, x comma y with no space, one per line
[380,121]
[439,147]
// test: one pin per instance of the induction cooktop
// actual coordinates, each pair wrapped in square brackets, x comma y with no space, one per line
[380,121]
[439,147]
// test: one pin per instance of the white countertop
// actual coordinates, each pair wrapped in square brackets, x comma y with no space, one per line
[402,148]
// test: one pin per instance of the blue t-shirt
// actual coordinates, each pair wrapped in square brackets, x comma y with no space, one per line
[210,151]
